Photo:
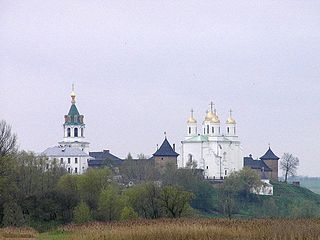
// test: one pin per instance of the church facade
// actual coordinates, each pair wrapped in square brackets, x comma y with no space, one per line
[73,151]
[215,151]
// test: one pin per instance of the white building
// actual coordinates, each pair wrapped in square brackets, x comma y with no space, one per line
[73,151]
[215,151]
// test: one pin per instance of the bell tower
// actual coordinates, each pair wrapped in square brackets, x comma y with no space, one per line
[74,127]
[192,125]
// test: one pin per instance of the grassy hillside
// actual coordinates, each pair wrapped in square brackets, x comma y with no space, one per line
[288,201]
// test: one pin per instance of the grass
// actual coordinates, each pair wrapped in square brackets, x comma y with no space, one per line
[182,229]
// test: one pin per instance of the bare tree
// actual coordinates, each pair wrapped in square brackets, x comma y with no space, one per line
[289,165]
[8,140]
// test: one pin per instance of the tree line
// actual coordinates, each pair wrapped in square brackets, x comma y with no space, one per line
[41,195]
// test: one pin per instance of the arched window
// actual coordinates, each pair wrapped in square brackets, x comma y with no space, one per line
[68,132]
[212,129]
[189,130]
[207,129]
[234,130]
[228,130]
[190,157]
[81,132]
[76,132]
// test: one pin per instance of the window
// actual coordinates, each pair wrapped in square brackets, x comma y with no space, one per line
[69,160]
[219,130]
[212,129]
[76,132]
[234,130]
[47,167]
[207,167]
[228,130]
[68,132]
[61,160]
[81,132]
[75,160]
[190,157]
[75,170]
[69,170]
[204,131]
[207,129]
[189,130]
[225,172]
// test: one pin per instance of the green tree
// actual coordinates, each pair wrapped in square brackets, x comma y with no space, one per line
[110,204]
[12,214]
[91,184]
[145,200]
[175,201]
[128,213]
[82,213]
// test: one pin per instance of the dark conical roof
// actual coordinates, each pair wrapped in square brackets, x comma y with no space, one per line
[269,155]
[73,110]
[165,150]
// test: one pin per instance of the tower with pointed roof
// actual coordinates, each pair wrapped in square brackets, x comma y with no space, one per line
[271,160]
[215,152]
[74,128]
[165,155]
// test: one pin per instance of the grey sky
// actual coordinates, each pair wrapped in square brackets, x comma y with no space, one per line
[140,66]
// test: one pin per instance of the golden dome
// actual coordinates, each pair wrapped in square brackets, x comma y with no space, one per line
[191,118]
[230,120]
[215,119]
[209,116]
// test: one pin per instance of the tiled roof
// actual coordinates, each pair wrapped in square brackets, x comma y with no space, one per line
[101,158]
[64,152]
[269,155]
[256,164]
[165,150]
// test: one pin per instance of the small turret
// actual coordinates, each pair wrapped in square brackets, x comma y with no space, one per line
[191,125]
[230,125]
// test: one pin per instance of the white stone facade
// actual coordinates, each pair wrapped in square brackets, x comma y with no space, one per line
[216,152]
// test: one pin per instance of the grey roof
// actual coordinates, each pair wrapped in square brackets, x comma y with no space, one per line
[269,155]
[59,151]
[104,158]
[165,150]
[256,164]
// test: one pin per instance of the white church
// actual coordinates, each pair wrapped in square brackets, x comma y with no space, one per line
[73,151]
[215,151]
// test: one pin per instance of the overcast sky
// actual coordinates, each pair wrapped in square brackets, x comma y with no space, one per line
[140,66]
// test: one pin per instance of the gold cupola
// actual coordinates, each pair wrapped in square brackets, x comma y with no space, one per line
[215,119]
[211,115]
[230,120]
[191,118]
[73,95]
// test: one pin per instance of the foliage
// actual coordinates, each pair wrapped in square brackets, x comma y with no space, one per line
[12,214]
[110,204]
[82,213]
[128,213]
[91,185]
[175,201]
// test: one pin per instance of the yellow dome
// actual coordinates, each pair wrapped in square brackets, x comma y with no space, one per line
[209,116]
[192,120]
[215,119]
[230,120]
